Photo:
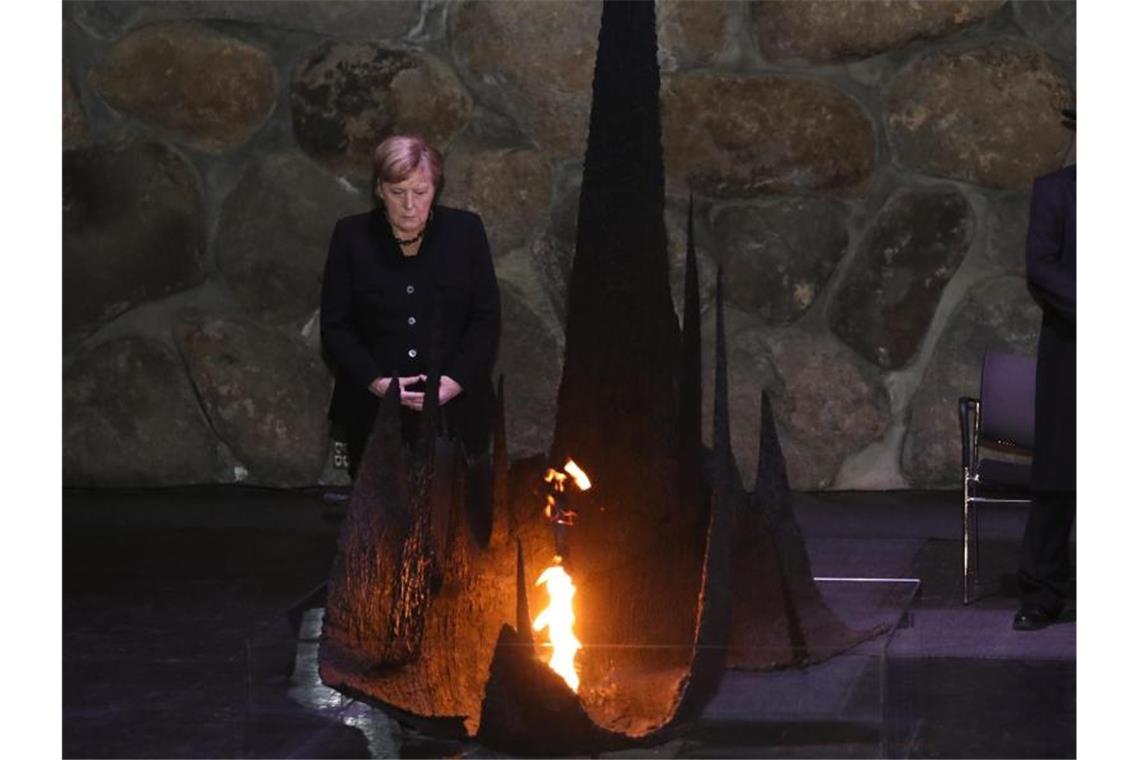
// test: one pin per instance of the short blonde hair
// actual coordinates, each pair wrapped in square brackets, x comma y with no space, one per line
[398,156]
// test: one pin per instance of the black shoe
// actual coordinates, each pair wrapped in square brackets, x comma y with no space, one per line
[1033,618]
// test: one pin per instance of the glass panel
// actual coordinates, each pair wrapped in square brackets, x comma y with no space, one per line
[835,708]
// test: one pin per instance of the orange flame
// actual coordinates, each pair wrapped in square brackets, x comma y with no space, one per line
[559,478]
[580,478]
[558,618]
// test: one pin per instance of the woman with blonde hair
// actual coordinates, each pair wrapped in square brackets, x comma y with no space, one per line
[390,273]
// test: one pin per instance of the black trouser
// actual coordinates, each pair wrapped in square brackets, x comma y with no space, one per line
[1044,571]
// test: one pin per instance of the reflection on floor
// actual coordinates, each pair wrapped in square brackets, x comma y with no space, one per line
[191,618]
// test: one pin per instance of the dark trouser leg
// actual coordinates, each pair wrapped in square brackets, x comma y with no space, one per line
[1044,569]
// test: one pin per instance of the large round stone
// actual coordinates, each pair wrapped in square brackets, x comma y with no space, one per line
[893,285]
[740,136]
[274,233]
[510,187]
[130,418]
[995,315]
[347,19]
[530,360]
[827,404]
[533,62]
[692,33]
[133,229]
[1007,223]
[830,403]
[210,90]
[778,257]
[987,114]
[74,119]
[265,394]
[348,96]
[825,31]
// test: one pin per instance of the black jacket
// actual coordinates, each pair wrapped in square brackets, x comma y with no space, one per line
[378,309]
[1051,267]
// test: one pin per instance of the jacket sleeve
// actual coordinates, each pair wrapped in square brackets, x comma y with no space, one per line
[1048,278]
[338,333]
[475,356]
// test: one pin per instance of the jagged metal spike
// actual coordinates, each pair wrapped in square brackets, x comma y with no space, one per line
[689,414]
[432,480]
[721,437]
[360,596]
[771,504]
[692,307]
[390,402]
[722,440]
[403,639]
[726,497]
[726,475]
[772,487]
[622,335]
[388,438]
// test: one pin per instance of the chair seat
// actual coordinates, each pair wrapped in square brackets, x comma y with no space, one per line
[999,475]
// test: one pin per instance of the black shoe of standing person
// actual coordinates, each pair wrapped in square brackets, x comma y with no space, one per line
[1033,617]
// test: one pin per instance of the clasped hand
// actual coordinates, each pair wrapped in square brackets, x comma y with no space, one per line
[448,389]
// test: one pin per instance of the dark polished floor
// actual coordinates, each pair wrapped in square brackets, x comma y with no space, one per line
[190,619]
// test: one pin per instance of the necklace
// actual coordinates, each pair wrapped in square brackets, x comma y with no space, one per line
[411,240]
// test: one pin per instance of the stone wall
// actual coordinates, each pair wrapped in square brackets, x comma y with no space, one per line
[860,171]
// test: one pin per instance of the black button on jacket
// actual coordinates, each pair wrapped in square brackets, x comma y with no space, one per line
[378,308]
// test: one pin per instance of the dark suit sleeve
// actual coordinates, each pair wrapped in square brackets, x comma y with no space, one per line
[1052,282]
[476,354]
[338,333]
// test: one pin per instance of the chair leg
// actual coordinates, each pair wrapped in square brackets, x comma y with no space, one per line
[966,547]
[976,551]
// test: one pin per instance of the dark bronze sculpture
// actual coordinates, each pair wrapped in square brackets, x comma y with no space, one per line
[679,571]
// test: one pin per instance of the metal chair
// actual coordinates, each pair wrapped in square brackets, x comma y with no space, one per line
[1001,420]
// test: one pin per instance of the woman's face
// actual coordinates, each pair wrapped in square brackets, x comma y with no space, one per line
[408,202]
